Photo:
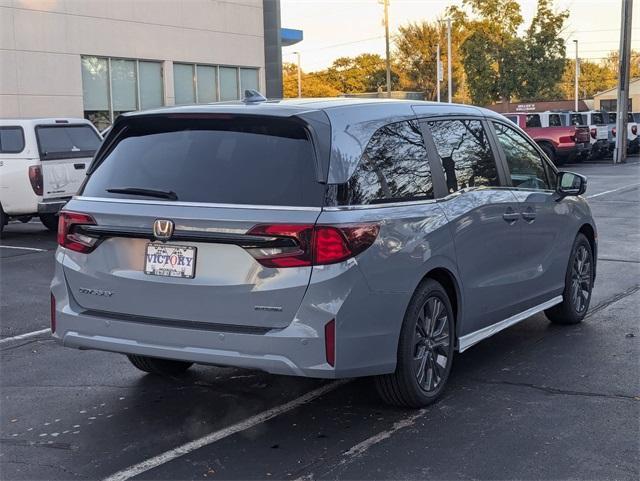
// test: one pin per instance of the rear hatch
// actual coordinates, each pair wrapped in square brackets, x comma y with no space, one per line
[599,126]
[230,186]
[66,151]
[582,134]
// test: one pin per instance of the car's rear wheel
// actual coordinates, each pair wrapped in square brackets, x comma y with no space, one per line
[50,221]
[163,367]
[549,152]
[425,350]
[578,285]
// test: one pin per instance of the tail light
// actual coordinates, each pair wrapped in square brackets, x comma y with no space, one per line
[330,342]
[594,133]
[53,313]
[634,129]
[69,235]
[613,131]
[312,244]
[35,177]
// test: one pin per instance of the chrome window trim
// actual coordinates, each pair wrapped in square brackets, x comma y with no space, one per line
[468,340]
[380,205]
[197,204]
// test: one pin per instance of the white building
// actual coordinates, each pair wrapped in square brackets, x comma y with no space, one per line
[98,58]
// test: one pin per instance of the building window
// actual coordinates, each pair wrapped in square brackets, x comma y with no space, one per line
[113,86]
[184,83]
[248,79]
[229,83]
[201,84]
[612,105]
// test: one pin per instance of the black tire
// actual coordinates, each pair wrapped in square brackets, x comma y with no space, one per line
[435,340]
[549,152]
[50,221]
[577,286]
[162,367]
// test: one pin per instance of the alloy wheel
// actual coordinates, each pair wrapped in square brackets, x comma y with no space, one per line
[431,344]
[581,279]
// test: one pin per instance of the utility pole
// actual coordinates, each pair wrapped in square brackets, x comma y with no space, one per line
[386,36]
[620,154]
[449,55]
[438,72]
[299,76]
[577,74]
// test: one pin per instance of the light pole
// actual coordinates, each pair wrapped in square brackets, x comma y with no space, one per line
[386,37]
[624,65]
[577,75]
[438,72]
[449,56]
[299,76]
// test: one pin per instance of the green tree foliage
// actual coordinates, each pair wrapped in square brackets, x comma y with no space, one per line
[498,64]
[543,62]
[314,84]
[364,73]
[415,54]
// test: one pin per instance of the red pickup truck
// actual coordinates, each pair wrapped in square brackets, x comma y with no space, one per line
[560,143]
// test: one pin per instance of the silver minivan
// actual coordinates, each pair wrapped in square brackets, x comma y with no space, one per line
[323,238]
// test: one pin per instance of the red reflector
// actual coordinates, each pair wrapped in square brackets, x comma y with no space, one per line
[53,313]
[69,238]
[35,177]
[634,129]
[330,342]
[613,130]
[594,133]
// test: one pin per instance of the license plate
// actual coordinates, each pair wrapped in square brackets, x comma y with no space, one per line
[170,261]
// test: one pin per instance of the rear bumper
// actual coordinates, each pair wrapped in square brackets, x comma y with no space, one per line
[52,206]
[297,350]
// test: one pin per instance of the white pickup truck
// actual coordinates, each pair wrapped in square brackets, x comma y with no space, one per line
[42,164]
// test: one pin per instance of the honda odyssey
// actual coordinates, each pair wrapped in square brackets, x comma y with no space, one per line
[323,238]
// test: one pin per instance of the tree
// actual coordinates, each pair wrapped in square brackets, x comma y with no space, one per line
[313,84]
[415,54]
[594,78]
[544,55]
[498,64]
[364,73]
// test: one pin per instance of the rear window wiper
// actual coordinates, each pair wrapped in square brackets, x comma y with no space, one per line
[161,194]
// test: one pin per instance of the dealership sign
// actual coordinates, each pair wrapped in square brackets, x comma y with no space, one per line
[525,107]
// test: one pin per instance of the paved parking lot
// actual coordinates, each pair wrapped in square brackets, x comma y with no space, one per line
[536,401]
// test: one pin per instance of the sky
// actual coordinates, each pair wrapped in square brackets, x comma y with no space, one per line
[335,28]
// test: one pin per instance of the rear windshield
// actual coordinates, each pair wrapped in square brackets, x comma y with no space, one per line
[232,160]
[67,141]
[612,118]
[597,119]
[577,119]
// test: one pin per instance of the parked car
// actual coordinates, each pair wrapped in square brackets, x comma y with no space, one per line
[322,238]
[560,143]
[633,141]
[42,164]
[598,132]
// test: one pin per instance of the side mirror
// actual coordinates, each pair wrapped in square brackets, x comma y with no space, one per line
[570,183]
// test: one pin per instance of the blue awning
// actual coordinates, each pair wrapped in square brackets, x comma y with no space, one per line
[290,36]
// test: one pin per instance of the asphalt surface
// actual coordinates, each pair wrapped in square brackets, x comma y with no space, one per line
[536,401]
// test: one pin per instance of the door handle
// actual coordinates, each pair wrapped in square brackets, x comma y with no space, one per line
[529,214]
[79,166]
[510,216]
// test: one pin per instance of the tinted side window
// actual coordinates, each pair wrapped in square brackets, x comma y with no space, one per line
[612,118]
[513,119]
[466,156]
[533,121]
[597,118]
[393,168]
[554,120]
[525,164]
[577,119]
[11,140]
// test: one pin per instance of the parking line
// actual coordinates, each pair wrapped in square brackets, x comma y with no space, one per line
[612,190]
[187,448]
[24,248]
[26,335]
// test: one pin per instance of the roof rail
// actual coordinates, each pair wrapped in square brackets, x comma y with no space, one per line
[253,96]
